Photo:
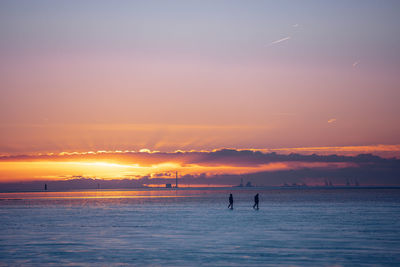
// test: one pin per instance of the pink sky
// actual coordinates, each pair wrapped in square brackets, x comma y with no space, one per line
[197,76]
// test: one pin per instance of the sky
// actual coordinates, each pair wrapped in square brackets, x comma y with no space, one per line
[277,76]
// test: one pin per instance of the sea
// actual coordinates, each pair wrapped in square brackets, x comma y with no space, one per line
[194,227]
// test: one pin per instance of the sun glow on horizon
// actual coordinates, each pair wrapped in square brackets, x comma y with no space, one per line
[62,170]
[106,164]
[16,171]
[146,164]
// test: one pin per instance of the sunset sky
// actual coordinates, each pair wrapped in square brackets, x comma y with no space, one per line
[272,76]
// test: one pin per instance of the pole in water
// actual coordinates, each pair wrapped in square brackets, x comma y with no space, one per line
[45,187]
[176,180]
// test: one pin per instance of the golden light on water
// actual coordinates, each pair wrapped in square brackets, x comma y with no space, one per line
[100,194]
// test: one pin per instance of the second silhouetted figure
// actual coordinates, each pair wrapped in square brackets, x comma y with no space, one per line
[256,200]
[230,202]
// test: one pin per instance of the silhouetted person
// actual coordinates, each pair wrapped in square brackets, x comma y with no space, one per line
[45,187]
[256,200]
[230,202]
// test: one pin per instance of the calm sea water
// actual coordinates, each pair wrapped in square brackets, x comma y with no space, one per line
[296,227]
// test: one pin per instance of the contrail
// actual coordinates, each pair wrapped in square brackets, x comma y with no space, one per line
[280,40]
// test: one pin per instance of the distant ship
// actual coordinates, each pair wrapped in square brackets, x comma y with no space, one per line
[248,184]
[348,182]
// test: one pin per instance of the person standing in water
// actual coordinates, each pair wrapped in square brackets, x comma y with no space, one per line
[230,202]
[256,200]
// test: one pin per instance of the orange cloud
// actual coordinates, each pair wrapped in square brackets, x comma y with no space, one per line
[46,170]
[146,163]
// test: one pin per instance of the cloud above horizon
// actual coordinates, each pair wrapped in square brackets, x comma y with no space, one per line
[227,156]
[208,166]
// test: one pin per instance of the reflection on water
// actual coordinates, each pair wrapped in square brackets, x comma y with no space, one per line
[105,194]
[92,194]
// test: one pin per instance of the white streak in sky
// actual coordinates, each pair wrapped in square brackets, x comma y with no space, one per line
[280,40]
[295,25]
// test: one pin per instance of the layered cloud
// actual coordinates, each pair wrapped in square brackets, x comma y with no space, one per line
[219,167]
[225,157]
[386,151]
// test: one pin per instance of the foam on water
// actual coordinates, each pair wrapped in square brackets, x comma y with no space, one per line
[301,227]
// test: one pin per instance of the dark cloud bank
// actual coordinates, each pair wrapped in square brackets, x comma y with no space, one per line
[365,169]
